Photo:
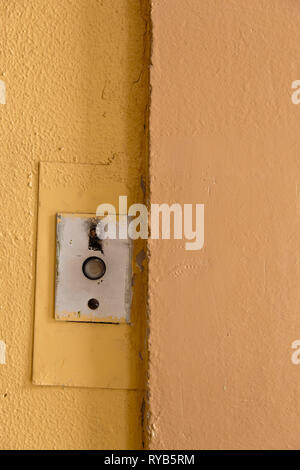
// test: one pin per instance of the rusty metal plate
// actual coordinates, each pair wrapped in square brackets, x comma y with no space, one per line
[93,276]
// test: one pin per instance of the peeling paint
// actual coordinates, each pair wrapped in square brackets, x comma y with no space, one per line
[95,243]
[140,257]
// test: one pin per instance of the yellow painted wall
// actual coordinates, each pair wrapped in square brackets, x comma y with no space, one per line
[76,78]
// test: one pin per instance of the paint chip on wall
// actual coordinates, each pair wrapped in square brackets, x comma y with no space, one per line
[2,352]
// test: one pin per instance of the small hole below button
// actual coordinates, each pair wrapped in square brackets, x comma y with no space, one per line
[93,304]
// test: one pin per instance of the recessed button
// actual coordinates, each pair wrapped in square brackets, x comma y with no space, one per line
[94,268]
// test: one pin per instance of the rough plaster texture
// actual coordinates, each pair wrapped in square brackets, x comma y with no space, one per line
[76,92]
[224,132]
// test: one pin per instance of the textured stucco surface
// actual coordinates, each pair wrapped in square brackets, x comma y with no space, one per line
[225,133]
[76,92]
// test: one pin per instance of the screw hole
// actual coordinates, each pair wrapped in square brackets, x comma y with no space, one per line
[93,304]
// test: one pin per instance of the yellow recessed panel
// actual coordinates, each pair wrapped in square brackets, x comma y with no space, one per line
[78,353]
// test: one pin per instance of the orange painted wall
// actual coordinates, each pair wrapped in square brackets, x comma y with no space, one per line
[225,133]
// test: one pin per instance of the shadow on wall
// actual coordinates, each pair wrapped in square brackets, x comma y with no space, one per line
[116,134]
